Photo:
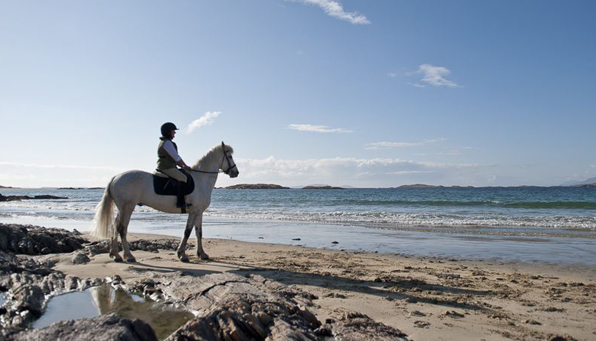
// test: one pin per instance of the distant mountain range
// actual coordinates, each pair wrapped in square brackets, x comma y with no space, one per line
[577,183]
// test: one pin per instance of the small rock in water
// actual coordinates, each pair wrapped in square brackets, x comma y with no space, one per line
[296,239]
[334,242]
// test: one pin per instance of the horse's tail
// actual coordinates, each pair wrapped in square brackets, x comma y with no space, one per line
[104,215]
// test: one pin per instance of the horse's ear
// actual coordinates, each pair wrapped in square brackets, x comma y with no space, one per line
[223,145]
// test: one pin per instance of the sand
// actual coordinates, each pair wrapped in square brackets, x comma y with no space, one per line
[426,298]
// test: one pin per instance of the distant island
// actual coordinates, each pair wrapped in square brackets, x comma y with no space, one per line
[423,186]
[6,186]
[322,187]
[256,186]
[585,185]
[78,188]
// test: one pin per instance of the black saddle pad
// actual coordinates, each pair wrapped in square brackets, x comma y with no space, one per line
[169,186]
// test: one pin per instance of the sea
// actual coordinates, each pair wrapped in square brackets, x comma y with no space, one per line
[552,225]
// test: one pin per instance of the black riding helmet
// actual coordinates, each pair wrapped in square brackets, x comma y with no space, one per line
[166,128]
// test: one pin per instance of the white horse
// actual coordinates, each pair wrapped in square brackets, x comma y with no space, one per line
[131,188]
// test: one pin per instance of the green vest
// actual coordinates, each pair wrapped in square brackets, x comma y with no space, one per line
[164,160]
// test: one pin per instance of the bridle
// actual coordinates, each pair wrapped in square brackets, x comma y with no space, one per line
[226,158]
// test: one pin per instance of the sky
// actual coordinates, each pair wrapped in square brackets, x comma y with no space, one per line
[362,93]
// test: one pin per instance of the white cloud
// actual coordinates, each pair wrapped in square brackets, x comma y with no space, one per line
[317,129]
[411,172]
[389,145]
[392,74]
[205,120]
[335,9]
[435,76]
[375,172]
[42,166]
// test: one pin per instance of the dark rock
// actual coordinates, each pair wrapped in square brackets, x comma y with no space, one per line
[102,328]
[80,258]
[36,240]
[28,297]
[561,338]
[26,197]
[353,326]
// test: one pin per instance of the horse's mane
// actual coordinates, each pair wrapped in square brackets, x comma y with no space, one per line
[215,152]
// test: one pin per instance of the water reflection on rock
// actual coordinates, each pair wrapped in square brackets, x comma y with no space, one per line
[104,300]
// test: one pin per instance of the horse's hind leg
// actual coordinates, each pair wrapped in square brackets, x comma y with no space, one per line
[114,241]
[114,249]
[122,227]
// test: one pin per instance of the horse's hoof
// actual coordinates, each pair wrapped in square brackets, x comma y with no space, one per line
[131,260]
[184,259]
[203,256]
[118,259]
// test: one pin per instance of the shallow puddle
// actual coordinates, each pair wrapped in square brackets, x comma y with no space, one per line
[2,299]
[105,300]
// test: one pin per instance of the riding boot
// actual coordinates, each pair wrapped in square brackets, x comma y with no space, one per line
[181,202]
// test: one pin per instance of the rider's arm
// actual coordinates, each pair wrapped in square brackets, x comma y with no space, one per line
[169,147]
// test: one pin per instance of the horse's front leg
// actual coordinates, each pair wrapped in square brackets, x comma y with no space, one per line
[187,230]
[199,232]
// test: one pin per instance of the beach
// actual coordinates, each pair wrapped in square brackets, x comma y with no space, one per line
[426,298]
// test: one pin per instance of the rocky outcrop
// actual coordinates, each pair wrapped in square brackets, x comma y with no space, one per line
[28,284]
[102,328]
[232,307]
[103,246]
[26,197]
[36,240]
[257,186]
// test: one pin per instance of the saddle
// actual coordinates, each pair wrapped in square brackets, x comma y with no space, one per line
[164,185]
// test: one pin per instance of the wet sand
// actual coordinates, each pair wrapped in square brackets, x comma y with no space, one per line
[427,298]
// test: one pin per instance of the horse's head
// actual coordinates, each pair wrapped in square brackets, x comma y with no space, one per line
[228,165]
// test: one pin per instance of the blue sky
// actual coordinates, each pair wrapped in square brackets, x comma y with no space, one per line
[363,93]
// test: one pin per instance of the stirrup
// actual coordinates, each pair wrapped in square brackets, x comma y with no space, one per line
[183,208]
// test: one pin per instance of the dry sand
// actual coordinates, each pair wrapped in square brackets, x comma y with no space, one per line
[427,298]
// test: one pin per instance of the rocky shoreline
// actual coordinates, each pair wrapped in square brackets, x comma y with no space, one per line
[26,197]
[226,305]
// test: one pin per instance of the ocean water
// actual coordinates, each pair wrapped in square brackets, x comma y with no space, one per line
[529,224]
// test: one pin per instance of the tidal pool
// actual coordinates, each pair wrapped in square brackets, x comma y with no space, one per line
[105,300]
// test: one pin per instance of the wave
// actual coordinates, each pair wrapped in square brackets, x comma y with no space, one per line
[584,205]
[399,220]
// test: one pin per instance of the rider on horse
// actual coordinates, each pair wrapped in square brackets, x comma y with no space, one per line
[168,159]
